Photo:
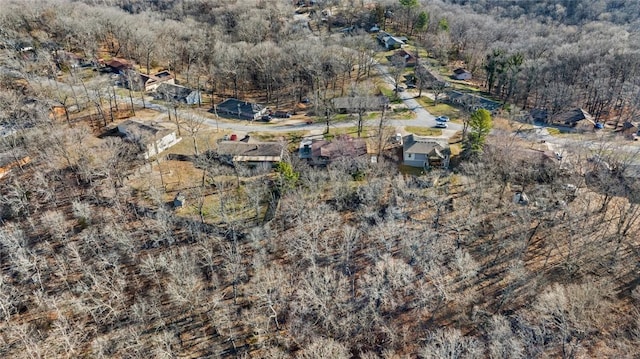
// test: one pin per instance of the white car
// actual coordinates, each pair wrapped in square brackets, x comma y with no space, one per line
[442,119]
[441,125]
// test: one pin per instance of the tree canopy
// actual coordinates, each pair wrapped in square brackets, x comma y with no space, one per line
[480,124]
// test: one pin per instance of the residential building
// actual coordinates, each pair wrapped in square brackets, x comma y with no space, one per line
[153,138]
[425,152]
[142,82]
[175,93]
[575,118]
[250,152]
[473,102]
[242,110]
[391,42]
[320,152]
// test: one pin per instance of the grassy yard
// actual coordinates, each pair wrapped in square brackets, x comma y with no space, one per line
[553,131]
[351,131]
[424,131]
[402,114]
[293,136]
[408,170]
[455,149]
[441,109]
[456,138]
[393,98]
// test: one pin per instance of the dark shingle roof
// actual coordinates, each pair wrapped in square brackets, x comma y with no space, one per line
[172,92]
[237,108]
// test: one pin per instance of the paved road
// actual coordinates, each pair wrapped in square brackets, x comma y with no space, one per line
[423,117]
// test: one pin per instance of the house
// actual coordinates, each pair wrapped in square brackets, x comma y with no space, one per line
[250,152]
[410,60]
[424,152]
[242,110]
[168,91]
[320,152]
[355,104]
[391,42]
[118,66]
[575,118]
[461,74]
[142,82]
[152,138]
[9,161]
[630,130]
[472,102]
[429,77]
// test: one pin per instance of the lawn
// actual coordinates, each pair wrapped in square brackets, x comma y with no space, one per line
[393,98]
[206,140]
[352,131]
[408,170]
[553,131]
[424,131]
[293,136]
[402,114]
[441,109]
[455,149]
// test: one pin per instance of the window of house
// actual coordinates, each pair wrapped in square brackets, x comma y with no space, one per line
[409,155]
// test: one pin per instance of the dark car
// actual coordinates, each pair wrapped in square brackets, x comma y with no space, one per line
[282,114]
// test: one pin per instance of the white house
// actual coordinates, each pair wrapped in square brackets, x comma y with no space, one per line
[154,138]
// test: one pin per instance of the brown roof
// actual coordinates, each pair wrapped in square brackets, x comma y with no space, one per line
[341,146]
[119,64]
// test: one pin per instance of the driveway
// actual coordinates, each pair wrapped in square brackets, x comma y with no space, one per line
[423,117]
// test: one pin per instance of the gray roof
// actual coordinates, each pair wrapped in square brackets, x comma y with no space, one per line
[145,132]
[251,152]
[428,75]
[237,108]
[472,101]
[572,117]
[423,145]
[167,91]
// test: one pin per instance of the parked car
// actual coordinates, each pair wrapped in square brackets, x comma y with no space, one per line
[442,119]
[266,118]
[282,114]
[441,125]
[400,88]
[411,85]
[599,126]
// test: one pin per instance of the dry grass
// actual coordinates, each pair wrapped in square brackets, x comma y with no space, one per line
[424,131]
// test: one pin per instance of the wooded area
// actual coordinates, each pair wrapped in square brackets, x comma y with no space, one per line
[355,260]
